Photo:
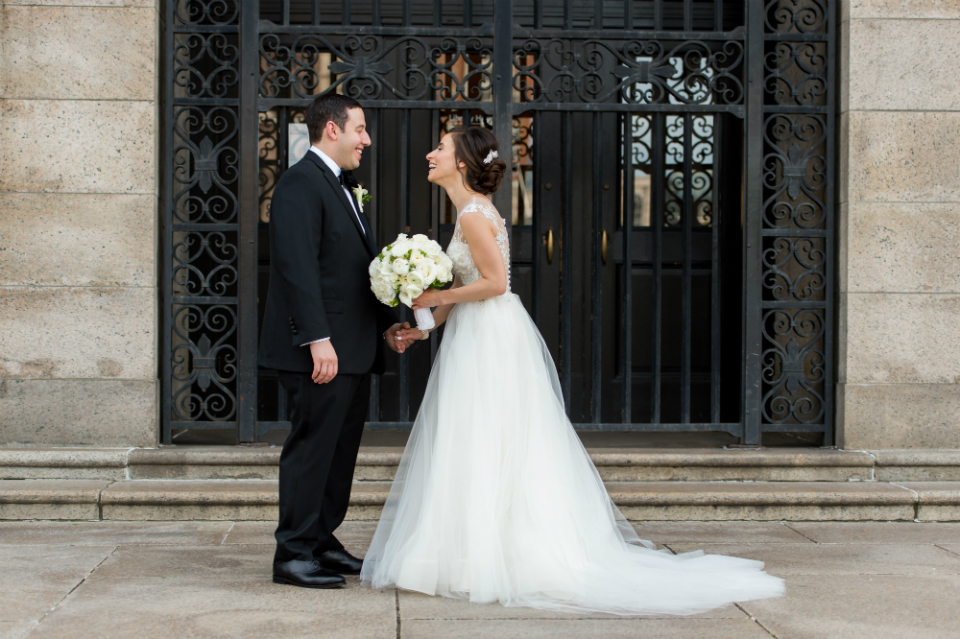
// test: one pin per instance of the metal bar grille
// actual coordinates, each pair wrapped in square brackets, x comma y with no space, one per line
[626,274]
[656,212]
[735,263]
[596,275]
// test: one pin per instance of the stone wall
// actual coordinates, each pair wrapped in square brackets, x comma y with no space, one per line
[899,225]
[79,157]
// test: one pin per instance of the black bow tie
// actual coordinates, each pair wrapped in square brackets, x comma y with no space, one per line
[347,179]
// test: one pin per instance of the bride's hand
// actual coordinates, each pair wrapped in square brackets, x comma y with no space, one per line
[429,299]
[407,336]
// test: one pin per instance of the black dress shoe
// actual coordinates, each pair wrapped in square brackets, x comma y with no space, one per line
[340,561]
[306,574]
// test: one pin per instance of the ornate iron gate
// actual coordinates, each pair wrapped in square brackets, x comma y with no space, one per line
[671,209]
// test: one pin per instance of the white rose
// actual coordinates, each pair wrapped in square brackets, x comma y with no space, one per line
[374,267]
[433,250]
[399,248]
[401,266]
[417,258]
[383,292]
[415,280]
[392,279]
[413,292]
[443,273]
[385,267]
[420,238]
[445,261]
[427,270]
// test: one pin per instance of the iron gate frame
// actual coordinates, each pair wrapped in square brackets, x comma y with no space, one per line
[788,311]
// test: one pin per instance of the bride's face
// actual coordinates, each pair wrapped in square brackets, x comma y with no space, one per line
[441,163]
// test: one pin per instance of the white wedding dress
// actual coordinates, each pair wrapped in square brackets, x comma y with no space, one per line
[496,498]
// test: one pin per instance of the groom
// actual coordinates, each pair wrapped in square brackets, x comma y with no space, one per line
[321,332]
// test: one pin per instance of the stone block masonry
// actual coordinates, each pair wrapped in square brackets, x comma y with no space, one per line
[899,194]
[79,126]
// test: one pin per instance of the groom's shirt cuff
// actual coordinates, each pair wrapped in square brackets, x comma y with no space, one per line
[322,339]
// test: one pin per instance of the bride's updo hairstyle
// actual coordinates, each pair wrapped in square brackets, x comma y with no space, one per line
[472,145]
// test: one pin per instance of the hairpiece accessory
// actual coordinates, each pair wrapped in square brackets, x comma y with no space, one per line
[490,157]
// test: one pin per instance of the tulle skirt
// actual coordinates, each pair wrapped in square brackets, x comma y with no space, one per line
[496,498]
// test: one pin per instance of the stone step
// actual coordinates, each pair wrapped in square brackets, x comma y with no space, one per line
[256,500]
[380,464]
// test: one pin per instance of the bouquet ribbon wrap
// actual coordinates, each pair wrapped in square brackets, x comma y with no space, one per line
[424,318]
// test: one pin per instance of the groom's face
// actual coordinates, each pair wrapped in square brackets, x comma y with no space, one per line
[350,141]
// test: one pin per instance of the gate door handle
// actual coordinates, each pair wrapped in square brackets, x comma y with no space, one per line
[603,246]
[548,240]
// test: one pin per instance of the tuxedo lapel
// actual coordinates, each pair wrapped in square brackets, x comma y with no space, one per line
[338,189]
[351,183]
[370,241]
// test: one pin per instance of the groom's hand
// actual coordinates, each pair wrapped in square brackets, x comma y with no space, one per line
[324,361]
[397,346]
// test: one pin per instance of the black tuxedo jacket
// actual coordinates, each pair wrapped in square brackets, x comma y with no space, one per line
[319,284]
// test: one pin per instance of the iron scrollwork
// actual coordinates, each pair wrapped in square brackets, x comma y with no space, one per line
[449,70]
[204,369]
[205,263]
[206,65]
[793,364]
[796,16]
[794,268]
[796,73]
[636,72]
[794,171]
[205,161]
[218,13]
[701,174]
[202,215]
[797,225]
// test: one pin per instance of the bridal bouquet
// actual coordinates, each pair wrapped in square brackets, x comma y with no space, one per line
[405,269]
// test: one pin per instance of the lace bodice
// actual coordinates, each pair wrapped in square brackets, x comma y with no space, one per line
[459,252]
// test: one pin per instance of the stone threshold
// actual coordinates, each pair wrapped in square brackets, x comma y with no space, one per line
[256,500]
[380,463]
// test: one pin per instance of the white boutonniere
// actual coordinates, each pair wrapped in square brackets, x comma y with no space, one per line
[363,196]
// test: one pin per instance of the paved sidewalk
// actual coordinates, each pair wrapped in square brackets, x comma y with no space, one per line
[212,579]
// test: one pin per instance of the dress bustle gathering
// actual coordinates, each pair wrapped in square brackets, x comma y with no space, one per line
[496,499]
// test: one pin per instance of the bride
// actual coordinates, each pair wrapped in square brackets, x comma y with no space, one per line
[496,498]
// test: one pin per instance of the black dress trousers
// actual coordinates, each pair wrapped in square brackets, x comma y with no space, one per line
[318,460]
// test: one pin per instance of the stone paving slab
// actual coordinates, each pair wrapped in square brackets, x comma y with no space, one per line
[34,579]
[829,606]
[353,534]
[954,548]
[250,607]
[415,605]
[585,628]
[16,629]
[211,592]
[878,532]
[854,559]
[113,533]
[153,584]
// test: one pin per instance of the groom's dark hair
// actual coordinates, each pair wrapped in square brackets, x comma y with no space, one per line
[329,107]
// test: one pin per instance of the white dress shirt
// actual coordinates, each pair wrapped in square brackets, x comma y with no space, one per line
[336,172]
